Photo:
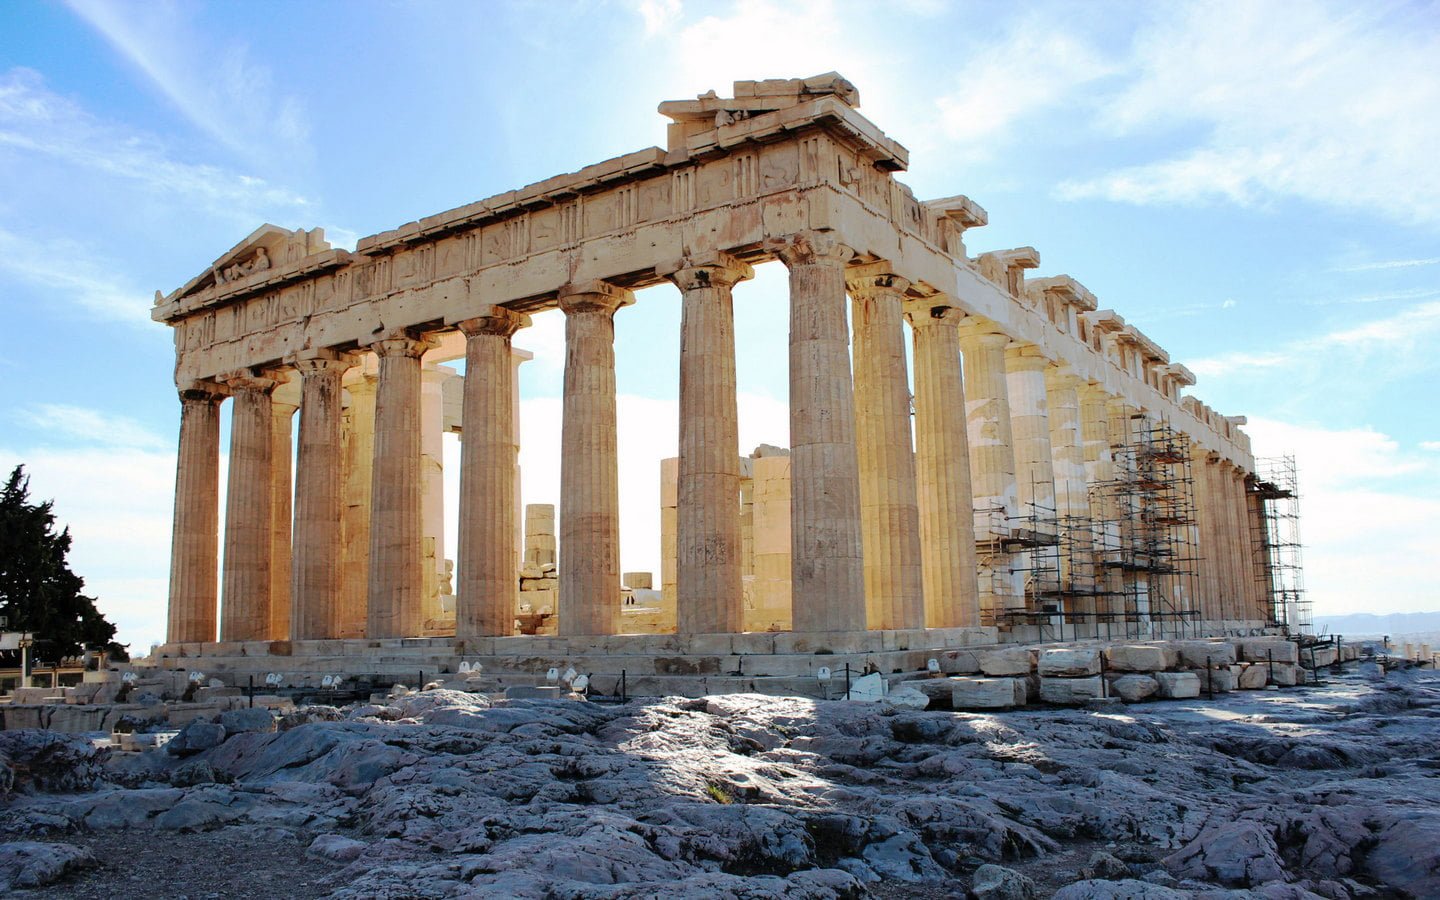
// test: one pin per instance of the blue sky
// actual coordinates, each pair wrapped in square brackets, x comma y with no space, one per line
[1253,185]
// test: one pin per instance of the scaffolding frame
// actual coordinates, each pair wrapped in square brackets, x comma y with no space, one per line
[1129,566]
[1275,540]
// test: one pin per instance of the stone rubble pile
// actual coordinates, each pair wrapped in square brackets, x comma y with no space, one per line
[1077,674]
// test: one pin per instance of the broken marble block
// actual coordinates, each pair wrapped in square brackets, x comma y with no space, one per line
[1264,651]
[1253,677]
[1216,681]
[1178,685]
[976,692]
[1006,661]
[1286,675]
[1069,662]
[1200,654]
[1134,688]
[1139,658]
[1071,691]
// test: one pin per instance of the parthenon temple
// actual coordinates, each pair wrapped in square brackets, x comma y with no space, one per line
[1049,478]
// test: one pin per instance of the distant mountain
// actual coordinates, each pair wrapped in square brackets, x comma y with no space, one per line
[1393,624]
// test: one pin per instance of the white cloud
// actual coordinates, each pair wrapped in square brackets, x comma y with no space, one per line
[1401,340]
[214,84]
[37,121]
[658,14]
[1334,104]
[1389,264]
[1369,516]
[69,270]
[89,426]
[1033,69]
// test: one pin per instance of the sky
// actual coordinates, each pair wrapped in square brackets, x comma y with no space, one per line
[1253,185]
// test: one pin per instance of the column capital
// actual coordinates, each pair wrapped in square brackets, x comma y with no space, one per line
[706,270]
[311,361]
[922,312]
[249,380]
[875,279]
[593,296]
[497,321]
[983,335]
[809,248]
[203,389]
[1062,377]
[1021,355]
[401,343]
[282,410]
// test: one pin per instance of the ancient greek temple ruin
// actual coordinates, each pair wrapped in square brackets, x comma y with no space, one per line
[1047,473]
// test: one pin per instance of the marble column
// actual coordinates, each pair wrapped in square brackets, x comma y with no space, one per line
[992,462]
[194,543]
[942,468]
[432,494]
[1100,488]
[827,580]
[1255,516]
[1205,580]
[245,586]
[589,462]
[316,560]
[488,573]
[1030,431]
[358,474]
[394,597]
[1072,498]
[709,596]
[282,492]
[889,509]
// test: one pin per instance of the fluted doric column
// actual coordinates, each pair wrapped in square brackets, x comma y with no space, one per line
[394,598]
[827,569]
[1030,431]
[245,607]
[194,543]
[1072,499]
[488,572]
[992,461]
[708,544]
[316,562]
[942,468]
[889,512]
[282,451]
[590,462]
[358,475]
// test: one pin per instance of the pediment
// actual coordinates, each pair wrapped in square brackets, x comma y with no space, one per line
[267,247]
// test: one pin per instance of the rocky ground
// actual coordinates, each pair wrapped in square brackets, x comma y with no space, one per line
[1326,791]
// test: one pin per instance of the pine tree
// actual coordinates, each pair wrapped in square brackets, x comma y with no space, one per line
[38,592]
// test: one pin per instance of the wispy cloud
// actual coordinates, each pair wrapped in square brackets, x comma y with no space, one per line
[35,120]
[216,85]
[1033,69]
[70,270]
[1397,339]
[1291,101]
[89,426]
[1389,264]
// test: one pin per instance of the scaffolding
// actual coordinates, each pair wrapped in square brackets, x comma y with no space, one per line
[1276,543]
[1127,568]
[1149,540]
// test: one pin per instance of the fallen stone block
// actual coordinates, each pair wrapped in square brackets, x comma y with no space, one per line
[1285,676]
[1178,685]
[1069,662]
[1006,661]
[960,662]
[1199,654]
[1216,681]
[1254,677]
[1134,688]
[1263,651]
[976,692]
[937,689]
[1317,657]
[1071,691]
[532,692]
[1139,658]
[907,698]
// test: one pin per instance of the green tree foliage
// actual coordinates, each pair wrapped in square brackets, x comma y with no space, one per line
[38,592]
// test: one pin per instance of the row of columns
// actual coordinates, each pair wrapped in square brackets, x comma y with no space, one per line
[883,533]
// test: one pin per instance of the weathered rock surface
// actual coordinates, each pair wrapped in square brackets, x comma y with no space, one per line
[1321,792]
[30,864]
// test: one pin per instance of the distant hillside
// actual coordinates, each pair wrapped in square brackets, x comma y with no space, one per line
[1393,624]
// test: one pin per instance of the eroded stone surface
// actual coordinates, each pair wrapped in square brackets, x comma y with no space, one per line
[440,793]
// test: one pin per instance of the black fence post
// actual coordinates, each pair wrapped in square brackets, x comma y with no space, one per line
[1209,680]
[252,691]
